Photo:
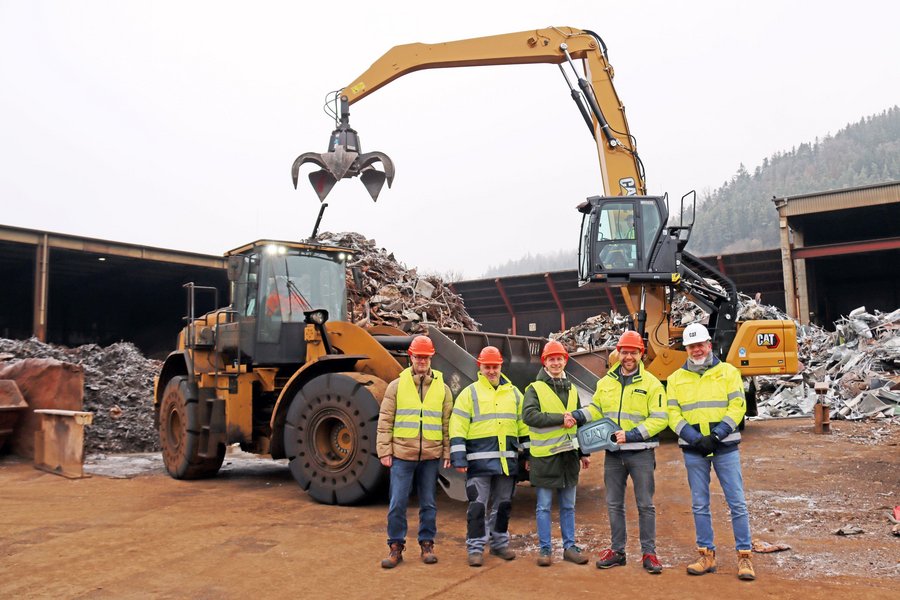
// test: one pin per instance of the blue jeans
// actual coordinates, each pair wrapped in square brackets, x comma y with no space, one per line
[728,470]
[566,497]
[402,473]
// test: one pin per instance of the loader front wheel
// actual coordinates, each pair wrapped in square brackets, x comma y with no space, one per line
[179,434]
[329,437]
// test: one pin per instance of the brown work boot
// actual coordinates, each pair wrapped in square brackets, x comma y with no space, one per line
[575,555]
[705,564]
[395,557]
[745,566]
[476,559]
[544,558]
[505,553]
[428,556]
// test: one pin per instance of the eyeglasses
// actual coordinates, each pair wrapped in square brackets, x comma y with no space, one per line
[629,352]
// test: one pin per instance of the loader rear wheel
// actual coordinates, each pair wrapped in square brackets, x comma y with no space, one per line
[329,437]
[179,434]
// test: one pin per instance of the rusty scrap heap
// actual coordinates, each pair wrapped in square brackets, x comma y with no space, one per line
[118,389]
[390,294]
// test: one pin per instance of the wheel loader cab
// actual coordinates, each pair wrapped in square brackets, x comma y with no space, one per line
[274,285]
[623,240]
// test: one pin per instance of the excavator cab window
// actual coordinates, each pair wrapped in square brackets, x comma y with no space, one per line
[622,240]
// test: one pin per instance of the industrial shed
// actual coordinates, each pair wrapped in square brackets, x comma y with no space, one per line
[72,290]
[840,250]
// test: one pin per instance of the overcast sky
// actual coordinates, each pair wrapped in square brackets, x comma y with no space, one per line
[175,124]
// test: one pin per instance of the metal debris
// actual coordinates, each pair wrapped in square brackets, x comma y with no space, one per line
[118,389]
[860,363]
[849,530]
[390,294]
[763,547]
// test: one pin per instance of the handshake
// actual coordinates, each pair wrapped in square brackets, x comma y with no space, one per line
[569,420]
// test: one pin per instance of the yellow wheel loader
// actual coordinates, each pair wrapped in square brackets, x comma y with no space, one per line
[280,371]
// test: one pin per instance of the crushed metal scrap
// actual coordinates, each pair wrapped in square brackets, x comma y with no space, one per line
[118,389]
[388,293]
[860,361]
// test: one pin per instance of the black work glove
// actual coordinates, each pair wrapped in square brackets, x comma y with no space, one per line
[707,444]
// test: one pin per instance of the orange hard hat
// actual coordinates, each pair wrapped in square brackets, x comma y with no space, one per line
[630,339]
[553,348]
[421,346]
[490,355]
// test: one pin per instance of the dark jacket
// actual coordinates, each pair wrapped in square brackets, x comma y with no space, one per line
[559,470]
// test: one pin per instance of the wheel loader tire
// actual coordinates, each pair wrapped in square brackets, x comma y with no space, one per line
[179,434]
[329,437]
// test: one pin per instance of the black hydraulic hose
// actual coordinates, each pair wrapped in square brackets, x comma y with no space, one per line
[595,108]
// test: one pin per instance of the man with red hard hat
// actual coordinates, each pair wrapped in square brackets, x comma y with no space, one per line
[555,461]
[486,432]
[413,439]
[635,399]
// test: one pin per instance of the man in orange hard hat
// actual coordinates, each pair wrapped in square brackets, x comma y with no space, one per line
[413,439]
[635,399]
[486,432]
[555,461]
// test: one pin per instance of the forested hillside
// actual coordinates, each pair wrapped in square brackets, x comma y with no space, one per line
[739,216]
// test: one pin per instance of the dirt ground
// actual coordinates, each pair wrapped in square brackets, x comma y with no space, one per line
[251,532]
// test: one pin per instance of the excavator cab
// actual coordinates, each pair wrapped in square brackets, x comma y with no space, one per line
[624,239]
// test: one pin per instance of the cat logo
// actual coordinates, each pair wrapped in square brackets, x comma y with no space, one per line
[768,340]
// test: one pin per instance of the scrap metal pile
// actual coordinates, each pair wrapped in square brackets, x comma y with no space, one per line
[390,294]
[118,389]
[860,361]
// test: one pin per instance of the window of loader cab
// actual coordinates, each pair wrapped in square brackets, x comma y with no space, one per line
[616,243]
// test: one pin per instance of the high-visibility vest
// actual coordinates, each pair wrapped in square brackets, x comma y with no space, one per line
[703,401]
[546,441]
[415,415]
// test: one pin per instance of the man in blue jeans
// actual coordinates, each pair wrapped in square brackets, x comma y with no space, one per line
[555,462]
[706,404]
[412,441]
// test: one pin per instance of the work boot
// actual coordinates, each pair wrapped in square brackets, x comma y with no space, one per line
[428,556]
[705,564]
[745,566]
[574,554]
[395,557]
[544,558]
[476,559]
[505,553]
[609,558]
[651,564]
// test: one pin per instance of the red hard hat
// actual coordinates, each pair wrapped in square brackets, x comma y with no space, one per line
[630,339]
[553,348]
[490,355]
[421,346]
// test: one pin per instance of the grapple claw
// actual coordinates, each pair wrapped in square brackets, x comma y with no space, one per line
[343,160]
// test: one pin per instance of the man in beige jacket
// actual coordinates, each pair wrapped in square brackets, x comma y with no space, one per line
[412,442]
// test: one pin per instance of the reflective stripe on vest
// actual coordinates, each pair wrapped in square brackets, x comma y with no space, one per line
[546,441]
[414,415]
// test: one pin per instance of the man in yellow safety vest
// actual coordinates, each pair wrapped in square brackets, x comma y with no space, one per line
[412,441]
[486,432]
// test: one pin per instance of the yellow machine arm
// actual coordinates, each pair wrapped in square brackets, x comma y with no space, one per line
[595,96]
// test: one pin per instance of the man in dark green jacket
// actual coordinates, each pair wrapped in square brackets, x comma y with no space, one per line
[555,462]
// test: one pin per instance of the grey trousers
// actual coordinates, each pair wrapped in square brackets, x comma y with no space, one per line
[490,504]
[639,464]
